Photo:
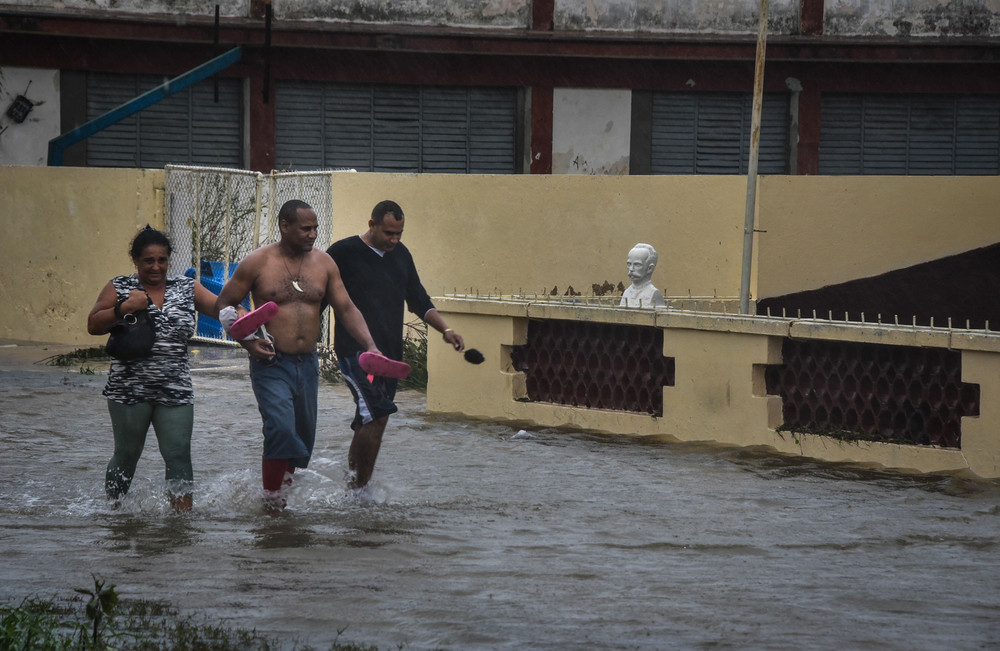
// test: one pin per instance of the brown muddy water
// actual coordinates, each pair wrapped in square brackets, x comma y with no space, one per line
[481,535]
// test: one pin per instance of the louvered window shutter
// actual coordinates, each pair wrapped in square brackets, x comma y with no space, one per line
[709,133]
[910,134]
[396,128]
[188,127]
[304,133]
[977,135]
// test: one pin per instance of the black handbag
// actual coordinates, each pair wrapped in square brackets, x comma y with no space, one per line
[132,337]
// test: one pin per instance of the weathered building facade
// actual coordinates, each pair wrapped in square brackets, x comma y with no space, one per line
[512,86]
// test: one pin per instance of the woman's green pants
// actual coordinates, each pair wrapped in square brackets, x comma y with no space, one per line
[173,426]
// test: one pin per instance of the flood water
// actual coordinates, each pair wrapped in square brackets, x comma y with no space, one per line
[480,535]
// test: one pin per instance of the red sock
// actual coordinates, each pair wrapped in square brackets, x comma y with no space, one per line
[272,472]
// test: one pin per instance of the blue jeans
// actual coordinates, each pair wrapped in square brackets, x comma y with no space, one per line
[286,388]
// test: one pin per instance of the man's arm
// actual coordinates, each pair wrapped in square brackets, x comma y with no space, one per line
[234,291]
[434,319]
[420,304]
[239,284]
[344,309]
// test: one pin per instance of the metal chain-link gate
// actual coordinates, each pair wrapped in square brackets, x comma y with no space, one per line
[216,216]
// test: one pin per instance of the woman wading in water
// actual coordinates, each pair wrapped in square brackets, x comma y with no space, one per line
[154,390]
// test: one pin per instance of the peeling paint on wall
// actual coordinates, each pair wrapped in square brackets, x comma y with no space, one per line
[591,130]
[727,16]
[571,162]
[227,8]
[875,18]
[901,18]
[453,13]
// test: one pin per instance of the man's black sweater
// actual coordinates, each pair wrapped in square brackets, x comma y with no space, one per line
[379,286]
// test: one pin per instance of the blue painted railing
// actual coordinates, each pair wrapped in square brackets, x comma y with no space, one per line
[58,144]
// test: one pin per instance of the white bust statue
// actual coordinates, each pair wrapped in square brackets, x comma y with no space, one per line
[641,262]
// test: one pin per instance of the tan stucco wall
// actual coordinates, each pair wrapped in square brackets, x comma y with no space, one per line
[531,233]
[719,394]
[822,230]
[979,435]
[64,233]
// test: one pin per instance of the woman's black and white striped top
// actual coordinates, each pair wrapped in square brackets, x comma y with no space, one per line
[164,377]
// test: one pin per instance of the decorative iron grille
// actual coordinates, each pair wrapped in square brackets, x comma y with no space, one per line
[899,394]
[595,365]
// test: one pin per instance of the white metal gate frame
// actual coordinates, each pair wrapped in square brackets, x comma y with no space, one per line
[221,215]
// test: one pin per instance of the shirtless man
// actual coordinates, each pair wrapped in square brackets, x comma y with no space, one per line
[284,369]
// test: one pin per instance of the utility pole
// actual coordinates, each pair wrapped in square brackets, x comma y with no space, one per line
[758,101]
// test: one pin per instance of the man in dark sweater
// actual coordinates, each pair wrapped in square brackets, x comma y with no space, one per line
[380,277]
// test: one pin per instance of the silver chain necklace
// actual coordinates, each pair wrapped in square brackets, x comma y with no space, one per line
[295,280]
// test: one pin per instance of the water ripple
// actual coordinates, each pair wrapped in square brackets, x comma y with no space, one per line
[475,536]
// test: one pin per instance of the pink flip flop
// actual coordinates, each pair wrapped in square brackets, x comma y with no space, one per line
[247,324]
[376,364]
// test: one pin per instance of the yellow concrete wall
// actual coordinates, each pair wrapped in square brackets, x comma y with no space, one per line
[979,434]
[532,233]
[64,234]
[719,395]
[823,230]
[715,396]
[65,230]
